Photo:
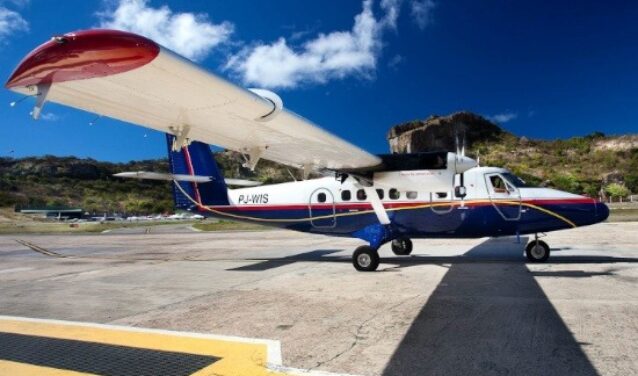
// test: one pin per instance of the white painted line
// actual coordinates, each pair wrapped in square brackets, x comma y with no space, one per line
[305,372]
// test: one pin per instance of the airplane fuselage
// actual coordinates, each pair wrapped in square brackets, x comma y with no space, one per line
[420,204]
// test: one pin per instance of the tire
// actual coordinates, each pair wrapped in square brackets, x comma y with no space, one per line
[537,251]
[402,246]
[365,259]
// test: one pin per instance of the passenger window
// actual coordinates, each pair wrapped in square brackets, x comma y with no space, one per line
[345,195]
[361,195]
[498,185]
[380,193]
[412,195]
[394,194]
[321,197]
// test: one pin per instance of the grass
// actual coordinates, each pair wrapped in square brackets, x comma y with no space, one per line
[66,228]
[229,226]
[623,215]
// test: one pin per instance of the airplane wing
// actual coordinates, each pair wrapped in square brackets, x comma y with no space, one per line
[131,78]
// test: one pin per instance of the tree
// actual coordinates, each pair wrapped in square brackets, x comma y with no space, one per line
[631,180]
[566,182]
[617,190]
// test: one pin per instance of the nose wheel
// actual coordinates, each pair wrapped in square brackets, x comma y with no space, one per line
[365,259]
[537,251]
[402,246]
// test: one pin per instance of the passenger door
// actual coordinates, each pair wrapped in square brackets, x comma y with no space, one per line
[321,209]
[505,198]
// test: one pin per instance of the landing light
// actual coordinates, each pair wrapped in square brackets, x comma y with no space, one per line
[59,39]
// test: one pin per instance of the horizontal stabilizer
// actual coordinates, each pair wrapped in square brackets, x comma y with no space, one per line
[161,176]
[182,177]
[242,182]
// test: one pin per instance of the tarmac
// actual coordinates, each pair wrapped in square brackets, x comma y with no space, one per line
[279,302]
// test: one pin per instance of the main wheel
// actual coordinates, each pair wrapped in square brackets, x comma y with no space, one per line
[402,246]
[365,259]
[537,251]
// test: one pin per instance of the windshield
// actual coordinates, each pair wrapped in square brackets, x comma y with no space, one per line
[514,180]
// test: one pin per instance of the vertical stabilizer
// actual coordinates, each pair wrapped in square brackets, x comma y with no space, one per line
[196,160]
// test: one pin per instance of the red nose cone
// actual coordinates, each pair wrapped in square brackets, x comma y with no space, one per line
[83,54]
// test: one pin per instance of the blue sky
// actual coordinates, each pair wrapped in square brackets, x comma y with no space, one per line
[543,69]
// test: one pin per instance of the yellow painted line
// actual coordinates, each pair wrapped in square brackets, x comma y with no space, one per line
[238,356]
[13,368]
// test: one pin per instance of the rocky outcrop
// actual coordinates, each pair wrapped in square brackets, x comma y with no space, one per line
[440,132]
[626,142]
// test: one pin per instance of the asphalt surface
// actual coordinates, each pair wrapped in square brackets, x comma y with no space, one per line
[454,307]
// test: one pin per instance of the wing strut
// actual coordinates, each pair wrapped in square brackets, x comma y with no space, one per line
[41,97]
[374,200]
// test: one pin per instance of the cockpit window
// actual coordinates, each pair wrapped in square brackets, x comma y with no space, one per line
[498,185]
[515,180]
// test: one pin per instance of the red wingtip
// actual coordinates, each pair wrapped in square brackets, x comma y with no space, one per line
[83,54]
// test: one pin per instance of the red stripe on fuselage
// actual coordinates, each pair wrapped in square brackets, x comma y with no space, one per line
[569,201]
[391,205]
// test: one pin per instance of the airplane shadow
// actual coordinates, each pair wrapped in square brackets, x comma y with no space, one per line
[263,264]
[488,315]
[490,318]
[484,253]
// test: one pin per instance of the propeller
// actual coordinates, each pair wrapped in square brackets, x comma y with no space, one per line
[460,162]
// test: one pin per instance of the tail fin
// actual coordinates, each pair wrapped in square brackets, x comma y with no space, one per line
[198,160]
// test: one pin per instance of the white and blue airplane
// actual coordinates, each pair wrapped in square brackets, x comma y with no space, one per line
[376,198]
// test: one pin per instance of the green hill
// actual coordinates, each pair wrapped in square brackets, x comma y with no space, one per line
[89,184]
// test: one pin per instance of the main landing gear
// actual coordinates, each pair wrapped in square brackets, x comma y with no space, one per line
[537,250]
[402,246]
[366,258]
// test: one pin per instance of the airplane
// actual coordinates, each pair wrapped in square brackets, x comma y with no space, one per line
[379,199]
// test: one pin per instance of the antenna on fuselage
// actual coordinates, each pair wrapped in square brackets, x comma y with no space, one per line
[291,174]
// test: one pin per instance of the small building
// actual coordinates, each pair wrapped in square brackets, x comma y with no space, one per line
[53,213]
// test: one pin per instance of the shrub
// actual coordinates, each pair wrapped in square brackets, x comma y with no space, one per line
[617,190]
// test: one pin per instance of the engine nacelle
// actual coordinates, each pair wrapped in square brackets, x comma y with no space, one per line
[274,99]
[460,163]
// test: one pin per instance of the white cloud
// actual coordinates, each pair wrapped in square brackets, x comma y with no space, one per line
[11,22]
[395,61]
[421,11]
[503,117]
[18,3]
[189,34]
[391,9]
[328,56]
[49,116]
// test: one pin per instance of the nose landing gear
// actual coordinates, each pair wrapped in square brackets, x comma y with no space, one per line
[537,250]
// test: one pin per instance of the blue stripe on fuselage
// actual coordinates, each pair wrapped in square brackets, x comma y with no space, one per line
[471,221]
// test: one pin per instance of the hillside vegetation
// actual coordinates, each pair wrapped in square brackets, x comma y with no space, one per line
[72,182]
